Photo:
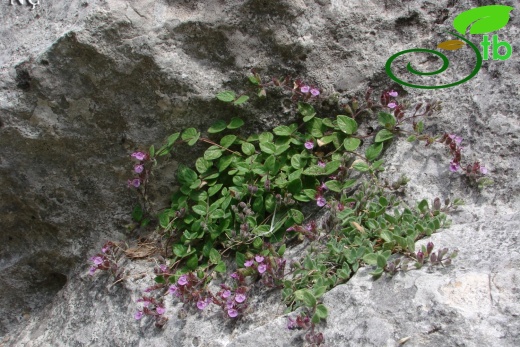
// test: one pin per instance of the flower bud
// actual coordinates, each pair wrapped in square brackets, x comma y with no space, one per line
[242,205]
[429,247]
[420,257]
[447,201]
[433,258]
[418,106]
[436,204]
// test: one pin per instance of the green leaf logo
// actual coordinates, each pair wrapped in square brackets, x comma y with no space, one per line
[482,20]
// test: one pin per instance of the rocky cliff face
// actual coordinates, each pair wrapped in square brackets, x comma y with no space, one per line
[85,83]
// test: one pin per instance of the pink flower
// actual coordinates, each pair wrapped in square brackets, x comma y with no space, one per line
[234,275]
[309,144]
[240,298]
[138,315]
[305,89]
[483,170]
[259,258]
[92,270]
[97,260]
[225,294]
[321,164]
[393,93]
[201,304]
[138,168]
[261,268]
[455,138]
[139,155]
[324,186]
[173,289]
[232,313]
[163,268]
[392,105]
[248,263]
[315,92]
[321,201]
[136,182]
[182,280]
[454,167]
[160,310]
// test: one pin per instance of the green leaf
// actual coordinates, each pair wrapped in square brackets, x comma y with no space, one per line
[387,236]
[370,258]
[306,110]
[200,210]
[482,20]
[373,151]
[172,138]
[190,135]
[227,140]
[347,124]
[306,297]
[248,148]
[224,162]
[297,216]
[282,130]
[423,206]
[351,143]
[411,138]
[254,79]
[314,170]
[193,262]
[322,311]
[240,259]
[334,185]
[383,135]
[295,186]
[179,250]
[267,147]
[214,256]
[214,189]
[213,152]
[137,213]
[221,267]
[297,161]
[185,175]
[386,119]
[235,123]
[332,166]
[420,127]
[266,137]
[241,100]
[226,96]
[159,279]
[152,151]
[202,165]
[217,127]
[281,250]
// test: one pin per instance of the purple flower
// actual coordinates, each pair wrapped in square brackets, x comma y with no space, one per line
[259,258]
[321,164]
[138,315]
[139,155]
[173,289]
[483,170]
[454,167]
[136,182]
[232,313]
[393,93]
[248,263]
[261,268]
[225,294]
[163,267]
[201,304]
[138,168]
[240,298]
[92,270]
[324,186]
[97,260]
[455,138]
[234,275]
[321,201]
[392,105]
[315,92]
[291,229]
[160,310]
[230,305]
[309,144]
[291,323]
[305,89]
[182,280]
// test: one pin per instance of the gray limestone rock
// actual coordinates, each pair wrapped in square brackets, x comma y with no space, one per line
[85,83]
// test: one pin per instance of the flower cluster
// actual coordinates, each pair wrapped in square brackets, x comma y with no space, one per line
[233,302]
[320,190]
[308,230]
[305,90]
[471,170]
[151,307]
[139,169]
[106,260]
[190,289]
[270,268]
